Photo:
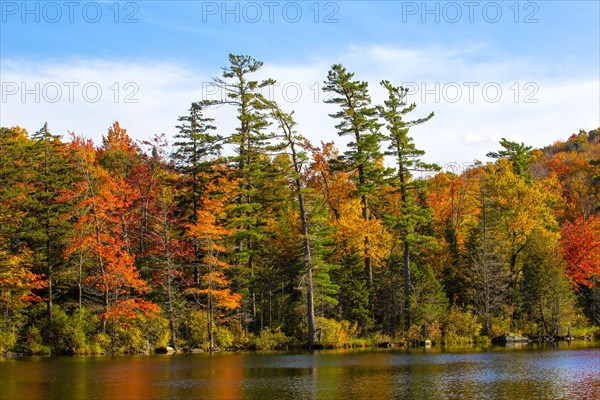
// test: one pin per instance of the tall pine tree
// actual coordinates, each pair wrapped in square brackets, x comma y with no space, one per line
[408,160]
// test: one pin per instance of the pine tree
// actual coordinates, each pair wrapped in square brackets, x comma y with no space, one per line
[196,150]
[250,142]
[292,143]
[518,153]
[358,119]
[408,160]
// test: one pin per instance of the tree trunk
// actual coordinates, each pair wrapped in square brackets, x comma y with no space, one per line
[407,283]
[308,267]
[49,274]
[210,324]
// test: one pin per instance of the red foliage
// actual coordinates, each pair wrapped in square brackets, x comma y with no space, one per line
[581,249]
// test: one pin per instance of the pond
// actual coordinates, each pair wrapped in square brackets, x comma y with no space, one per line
[519,372]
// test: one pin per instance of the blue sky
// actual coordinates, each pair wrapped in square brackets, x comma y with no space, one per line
[543,56]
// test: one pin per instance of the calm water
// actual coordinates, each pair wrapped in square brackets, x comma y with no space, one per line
[529,372]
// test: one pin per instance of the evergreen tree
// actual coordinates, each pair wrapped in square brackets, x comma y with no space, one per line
[358,119]
[196,150]
[518,154]
[250,143]
[408,160]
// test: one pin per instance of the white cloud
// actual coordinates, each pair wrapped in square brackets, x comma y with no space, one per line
[463,129]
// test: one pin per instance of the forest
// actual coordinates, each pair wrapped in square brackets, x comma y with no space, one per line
[260,239]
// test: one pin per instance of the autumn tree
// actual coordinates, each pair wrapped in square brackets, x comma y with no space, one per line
[581,250]
[455,203]
[99,233]
[517,207]
[210,233]
[549,302]
[18,287]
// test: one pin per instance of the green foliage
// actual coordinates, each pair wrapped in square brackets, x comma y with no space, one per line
[196,329]
[336,334]
[33,342]
[428,302]
[549,301]
[518,153]
[357,119]
[224,338]
[8,339]
[69,334]
[461,326]
[269,339]
[156,330]
[354,292]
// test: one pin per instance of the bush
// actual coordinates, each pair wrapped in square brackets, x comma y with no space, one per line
[196,330]
[461,327]
[155,330]
[332,333]
[499,326]
[270,340]
[240,338]
[33,342]
[223,337]
[8,339]
[68,333]
[127,339]
[101,342]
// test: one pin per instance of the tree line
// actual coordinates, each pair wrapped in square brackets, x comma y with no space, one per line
[258,238]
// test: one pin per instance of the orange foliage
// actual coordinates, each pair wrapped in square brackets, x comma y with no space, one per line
[101,210]
[209,233]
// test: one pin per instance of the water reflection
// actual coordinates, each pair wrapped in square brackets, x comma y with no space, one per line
[526,372]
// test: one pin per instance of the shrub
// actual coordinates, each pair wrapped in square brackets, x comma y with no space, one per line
[155,330]
[68,333]
[240,338]
[196,330]
[461,327]
[8,339]
[127,339]
[100,344]
[332,333]
[271,340]
[33,342]
[223,337]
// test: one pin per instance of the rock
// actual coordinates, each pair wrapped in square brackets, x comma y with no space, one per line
[510,338]
[385,345]
[165,350]
[12,354]
[197,350]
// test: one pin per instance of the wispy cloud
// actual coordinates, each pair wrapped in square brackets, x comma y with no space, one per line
[476,101]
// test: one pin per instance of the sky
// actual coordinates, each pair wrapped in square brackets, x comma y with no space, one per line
[528,71]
